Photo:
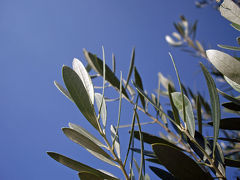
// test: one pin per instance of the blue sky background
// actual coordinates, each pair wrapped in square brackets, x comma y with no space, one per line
[38,37]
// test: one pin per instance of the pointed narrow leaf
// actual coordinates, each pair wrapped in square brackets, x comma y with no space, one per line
[97,65]
[230,98]
[236,26]
[232,106]
[229,123]
[234,48]
[199,114]
[177,100]
[232,163]
[138,81]
[226,64]
[172,42]
[234,85]
[79,94]
[88,176]
[174,109]
[172,159]
[116,142]
[100,100]
[85,133]
[230,11]
[164,175]
[151,139]
[214,104]
[130,67]
[63,90]
[145,152]
[79,68]
[88,144]
[77,166]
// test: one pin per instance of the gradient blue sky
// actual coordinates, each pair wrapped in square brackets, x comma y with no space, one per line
[38,37]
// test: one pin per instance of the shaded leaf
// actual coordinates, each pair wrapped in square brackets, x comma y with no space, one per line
[232,163]
[138,81]
[199,114]
[230,98]
[225,63]
[164,175]
[174,109]
[151,139]
[229,123]
[79,68]
[88,144]
[215,105]
[85,133]
[130,67]
[230,139]
[178,102]
[101,104]
[230,11]
[145,152]
[172,159]
[77,166]
[88,176]
[232,106]
[97,65]
[79,95]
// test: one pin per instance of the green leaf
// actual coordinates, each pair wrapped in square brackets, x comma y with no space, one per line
[229,123]
[230,11]
[89,145]
[114,135]
[79,95]
[178,163]
[199,114]
[130,67]
[138,81]
[234,48]
[77,166]
[88,176]
[177,100]
[79,68]
[230,98]
[232,163]
[236,26]
[214,104]
[234,85]
[226,64]
[145,152]
[164,175]
[97,65]
[101,104]
[85,133]
[232,106]
[151,139]
[174,109]
[230,139]
[63,90]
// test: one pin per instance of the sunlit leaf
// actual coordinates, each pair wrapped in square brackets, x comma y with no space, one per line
[101,104]
[77,166]
[63,90]
[234,48]
[225,63]
[229,123]
[164,175]
[85,133]
[172,42]
[234,85]
[177,100]
[230,11]
[88,144]
[114,135]
[216,115]
[236,26]
[172,159]
[79,68]
[97,64]
[174,109]
[230,98]
[79,94]
[138,81]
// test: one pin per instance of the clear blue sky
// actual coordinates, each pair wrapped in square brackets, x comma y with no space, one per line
[38,37]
